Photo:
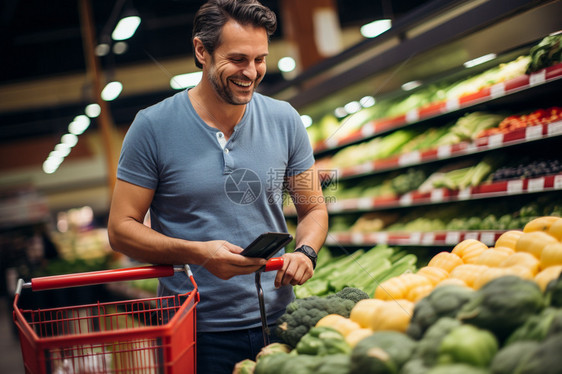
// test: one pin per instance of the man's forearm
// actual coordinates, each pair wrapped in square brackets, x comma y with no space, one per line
[312,229]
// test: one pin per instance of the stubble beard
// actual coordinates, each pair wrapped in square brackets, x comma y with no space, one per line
[226,93]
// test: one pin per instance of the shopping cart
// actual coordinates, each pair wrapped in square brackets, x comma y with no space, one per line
[148,335]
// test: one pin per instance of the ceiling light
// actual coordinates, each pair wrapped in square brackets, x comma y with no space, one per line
[479,60]
[367,101]
[408,86]
[286,64]
[186,80]
[101,49]
[93,110]
[69,139]
[306,120]
[50,165]
[340,112]
[375,28]
[352,107]
[120,47]
[79,125]
[62,149]
[111,91]
[126,28]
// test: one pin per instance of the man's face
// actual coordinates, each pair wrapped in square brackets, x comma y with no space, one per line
[238,64]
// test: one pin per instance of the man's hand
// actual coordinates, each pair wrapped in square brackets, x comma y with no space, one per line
[223,259]
[297,269]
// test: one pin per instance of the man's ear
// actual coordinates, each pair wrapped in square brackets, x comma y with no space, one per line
[200,51]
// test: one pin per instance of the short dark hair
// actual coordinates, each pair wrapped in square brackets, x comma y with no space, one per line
[212,16]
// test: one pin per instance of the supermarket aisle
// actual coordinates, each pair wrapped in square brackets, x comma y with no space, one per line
[10,354]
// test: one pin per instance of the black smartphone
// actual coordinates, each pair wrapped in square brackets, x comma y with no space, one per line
[267,244]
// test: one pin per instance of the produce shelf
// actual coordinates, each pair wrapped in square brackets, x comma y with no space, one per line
[441,195]
[486,94]
[518,136]
[428,238]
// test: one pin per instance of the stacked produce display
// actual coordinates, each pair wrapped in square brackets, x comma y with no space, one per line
[474,309]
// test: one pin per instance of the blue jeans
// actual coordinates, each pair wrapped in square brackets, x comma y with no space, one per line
[218,352]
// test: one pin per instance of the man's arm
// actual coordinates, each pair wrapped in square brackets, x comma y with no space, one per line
[128,235]
[312,226]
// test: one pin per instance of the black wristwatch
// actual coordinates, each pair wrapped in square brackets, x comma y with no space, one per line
[308,252]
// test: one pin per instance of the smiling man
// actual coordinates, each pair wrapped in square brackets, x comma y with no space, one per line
[211,164]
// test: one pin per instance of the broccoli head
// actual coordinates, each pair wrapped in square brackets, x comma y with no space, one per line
[303,314]
[353,294]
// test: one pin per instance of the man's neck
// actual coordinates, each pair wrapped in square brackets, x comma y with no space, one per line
[214,111]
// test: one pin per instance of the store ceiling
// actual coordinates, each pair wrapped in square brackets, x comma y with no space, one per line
[42,39]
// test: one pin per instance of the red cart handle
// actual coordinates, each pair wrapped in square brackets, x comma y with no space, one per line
[274,263]
[98,277]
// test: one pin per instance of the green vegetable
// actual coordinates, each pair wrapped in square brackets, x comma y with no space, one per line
[427,348]
[303,364]
[322,341]
[443,301]
[546,359]
[414,366]
[303,314]
[272,349]
[352,293]
[508,358]
[382,352]
[537,327]
[468,344]
[334,364]
[457,369]
[547,53]
[553,292]
[244,367]
[502,305]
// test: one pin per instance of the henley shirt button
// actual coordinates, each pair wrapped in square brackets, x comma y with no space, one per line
[220,134]
[226,150]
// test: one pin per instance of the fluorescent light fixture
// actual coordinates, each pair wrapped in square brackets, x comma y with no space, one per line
[102,49]
[181,81]
[111,91]
[126,28]
[352,107]
[340,112]
[287,64]
[120,47]
[479,60]
[367,101]
[79,125]
[375,28]
[93,110]
[69,139]
[409,86]
[50,165]
[62,149]
[306,120]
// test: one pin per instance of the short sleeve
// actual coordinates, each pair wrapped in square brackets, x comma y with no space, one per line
[301,156]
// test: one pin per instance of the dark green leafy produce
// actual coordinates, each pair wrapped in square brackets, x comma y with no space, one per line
[303,364]
[334,364]
[546,359]
[303,314]
[427,348]
[272,349]
[508,358]
[384,352]
[244,367]
[322,341]
[414,366]
[547,53]
[443,301]
[468,344]
[352,293]
[537,327]
[502,305]
[553,292]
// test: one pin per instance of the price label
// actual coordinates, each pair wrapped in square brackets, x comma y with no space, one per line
[409,158]
[368,130]
[452,104]
[406,199]
[554,128]
[497,90]
[412,116]
[495,140]
[381,238]
[535,185]
[558,182]
[471,235]
[488,238]
[428,238]
[364,203]
[533,132]
[415,238]
[514,187]
[464,194]
[452,237]
[437,195]
[357,238]
[444,151]
[537,78]
[471,148]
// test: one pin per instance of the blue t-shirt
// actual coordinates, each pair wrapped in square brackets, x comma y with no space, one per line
[209,189]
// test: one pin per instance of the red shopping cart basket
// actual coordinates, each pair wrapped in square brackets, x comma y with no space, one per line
[148,335]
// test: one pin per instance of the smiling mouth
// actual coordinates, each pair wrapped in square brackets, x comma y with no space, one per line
[243,84]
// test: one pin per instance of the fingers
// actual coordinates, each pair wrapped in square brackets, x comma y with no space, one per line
[296,270]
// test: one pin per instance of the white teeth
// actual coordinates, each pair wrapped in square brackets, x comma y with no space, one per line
[243,84]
